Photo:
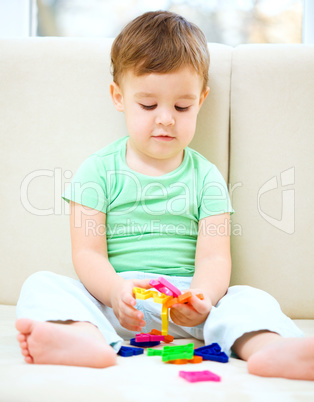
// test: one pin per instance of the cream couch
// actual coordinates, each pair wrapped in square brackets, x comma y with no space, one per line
[257,126]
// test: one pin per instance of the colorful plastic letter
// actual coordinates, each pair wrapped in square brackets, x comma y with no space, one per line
[194,376]
[167,338]
[171,302]
[157,285]
[175,291]
[164,320]
[154,352]
[148,338]
[195,360]
[154,338]
[155,332]
[183,298]
[212,352]
[161,298]
[178,352]
[127,351]
[143,294]
[143,344]
[142,338]
[164,286]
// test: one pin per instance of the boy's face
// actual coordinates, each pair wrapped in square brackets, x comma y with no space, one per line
[160,111]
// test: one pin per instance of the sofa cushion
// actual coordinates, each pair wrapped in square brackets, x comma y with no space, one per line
[55,111]
[271,172]
[139,378]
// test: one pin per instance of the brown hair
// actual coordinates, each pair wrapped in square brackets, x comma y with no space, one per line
[159,42]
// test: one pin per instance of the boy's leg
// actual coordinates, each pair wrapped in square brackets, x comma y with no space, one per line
[250,322]
[71,344]
[52,310]
[270,355]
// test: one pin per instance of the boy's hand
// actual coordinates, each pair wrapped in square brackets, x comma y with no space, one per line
[192,313]
[123,302]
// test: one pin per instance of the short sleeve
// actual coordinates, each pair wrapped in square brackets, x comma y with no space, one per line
[214,199]
[88,186]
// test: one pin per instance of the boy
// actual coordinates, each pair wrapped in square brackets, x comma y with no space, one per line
[141,208]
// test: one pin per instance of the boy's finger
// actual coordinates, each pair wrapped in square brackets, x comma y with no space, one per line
[131,315]
[134,323]
[195,305]
[131,311]
[182,309]
[128,298]
[142,283]
[199,305]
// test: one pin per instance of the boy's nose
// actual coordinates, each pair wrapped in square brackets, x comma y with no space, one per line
[165,118]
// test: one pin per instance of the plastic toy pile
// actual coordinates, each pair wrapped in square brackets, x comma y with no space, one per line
[183,354]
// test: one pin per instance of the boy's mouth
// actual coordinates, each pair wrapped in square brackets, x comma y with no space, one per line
[163,137]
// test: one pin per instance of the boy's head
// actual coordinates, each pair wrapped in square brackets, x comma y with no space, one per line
[159,42]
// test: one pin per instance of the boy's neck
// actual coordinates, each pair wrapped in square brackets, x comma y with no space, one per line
[151,166]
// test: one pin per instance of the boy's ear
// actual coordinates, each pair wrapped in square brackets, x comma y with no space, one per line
[204,96]
[117,97]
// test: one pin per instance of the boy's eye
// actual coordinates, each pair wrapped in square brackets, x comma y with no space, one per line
[182,109]
[148,107]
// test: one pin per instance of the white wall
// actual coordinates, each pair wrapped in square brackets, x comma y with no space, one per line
[308,22]
[15,18]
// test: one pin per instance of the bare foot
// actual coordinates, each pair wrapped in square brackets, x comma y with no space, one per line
[286,358]
[74,344]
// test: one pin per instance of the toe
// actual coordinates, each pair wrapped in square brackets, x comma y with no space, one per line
[23,345]
[21,338]
[25,352]
[29,360]
[24,325]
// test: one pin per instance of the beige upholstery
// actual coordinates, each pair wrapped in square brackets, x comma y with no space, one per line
[55,110]
[271,171]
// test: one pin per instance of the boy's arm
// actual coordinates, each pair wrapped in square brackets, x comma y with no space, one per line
[212,257]
[91,263]
[212,271]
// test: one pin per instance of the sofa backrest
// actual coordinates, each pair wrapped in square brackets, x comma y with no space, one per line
[55,110]
[271,170]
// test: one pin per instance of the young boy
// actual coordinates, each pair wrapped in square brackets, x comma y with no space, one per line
[147,205]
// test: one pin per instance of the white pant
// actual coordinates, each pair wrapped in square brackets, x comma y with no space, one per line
[46,296]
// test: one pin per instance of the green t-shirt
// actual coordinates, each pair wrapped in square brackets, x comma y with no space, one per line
[151,222]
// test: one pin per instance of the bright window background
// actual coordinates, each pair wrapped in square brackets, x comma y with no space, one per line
[230,22]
